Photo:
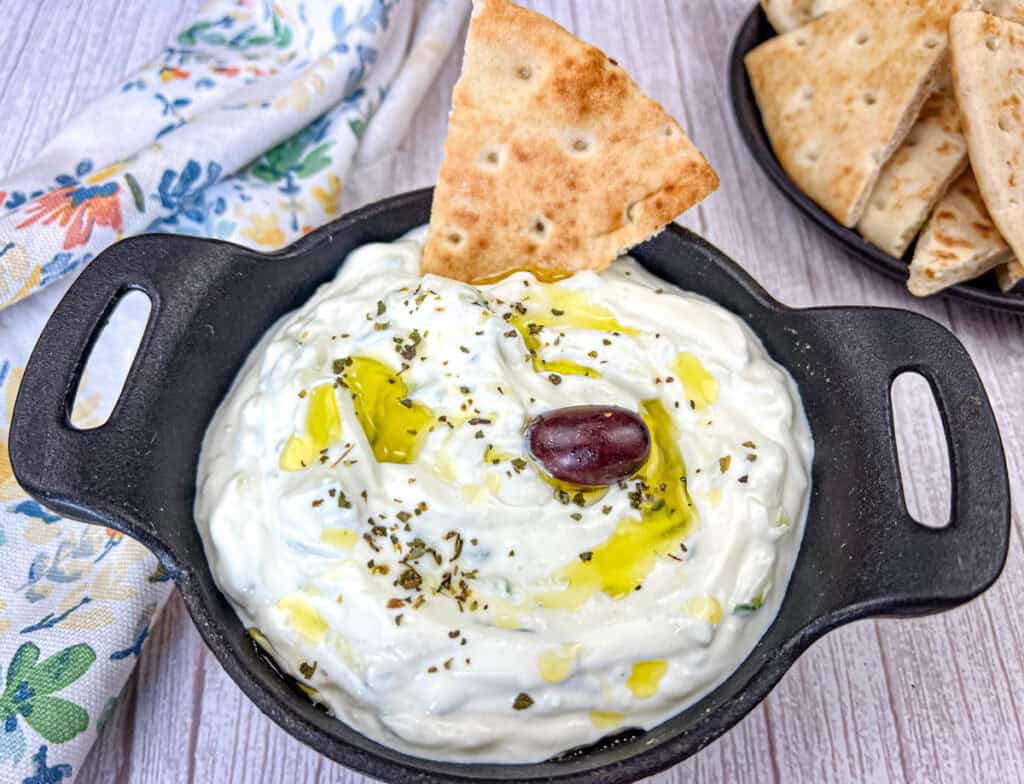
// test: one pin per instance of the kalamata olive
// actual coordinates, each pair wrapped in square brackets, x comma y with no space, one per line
[589,445]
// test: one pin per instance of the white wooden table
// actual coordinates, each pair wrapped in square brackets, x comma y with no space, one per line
[939,699]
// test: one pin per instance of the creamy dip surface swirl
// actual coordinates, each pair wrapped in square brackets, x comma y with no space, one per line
[368,505]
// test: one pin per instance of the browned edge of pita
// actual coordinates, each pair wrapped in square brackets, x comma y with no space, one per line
[838,96]
[987,58]
[555,161]
[959,243]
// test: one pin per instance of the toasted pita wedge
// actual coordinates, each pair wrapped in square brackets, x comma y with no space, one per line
[1011,277]
[555,160]
[987,61]
[933,155]
[786,15]
[839,95]
[960,241]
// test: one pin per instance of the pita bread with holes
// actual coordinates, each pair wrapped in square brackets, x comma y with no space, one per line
[987,58]
[960,241]
[838,96]
[786,15]
[555,160]
[932,156]
[1011,277]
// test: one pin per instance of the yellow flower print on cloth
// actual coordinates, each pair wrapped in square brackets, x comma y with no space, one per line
[264,231]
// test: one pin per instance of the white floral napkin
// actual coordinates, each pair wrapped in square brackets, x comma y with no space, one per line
[258,123]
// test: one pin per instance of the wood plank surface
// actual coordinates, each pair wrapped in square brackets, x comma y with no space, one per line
[937,699]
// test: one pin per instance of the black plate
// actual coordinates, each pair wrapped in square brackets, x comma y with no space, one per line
[862,554]
[756,30]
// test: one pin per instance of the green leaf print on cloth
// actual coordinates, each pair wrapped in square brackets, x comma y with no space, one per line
[30,683]
[209,32]
[291,156]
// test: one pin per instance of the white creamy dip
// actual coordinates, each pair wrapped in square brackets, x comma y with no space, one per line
[459,606]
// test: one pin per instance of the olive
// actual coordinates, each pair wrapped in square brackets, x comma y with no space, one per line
[589,445]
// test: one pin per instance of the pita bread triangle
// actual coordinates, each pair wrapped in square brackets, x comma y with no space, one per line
[555,160]
[987,58]
[915,177]
[960,241]
[838,96]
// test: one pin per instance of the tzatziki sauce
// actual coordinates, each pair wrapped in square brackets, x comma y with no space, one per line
[368,504]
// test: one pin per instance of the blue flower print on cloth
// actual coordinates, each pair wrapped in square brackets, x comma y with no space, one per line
[259,122]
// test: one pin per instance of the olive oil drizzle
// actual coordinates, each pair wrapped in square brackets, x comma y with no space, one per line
[394,425]
[700,386]
[664,517]
[323,426]
[560,307]
[645,677]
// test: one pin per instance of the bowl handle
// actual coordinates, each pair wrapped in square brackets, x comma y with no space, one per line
[921,569]
[104,475]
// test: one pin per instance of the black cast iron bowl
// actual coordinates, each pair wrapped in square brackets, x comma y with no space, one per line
[755,30]
[862,554]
